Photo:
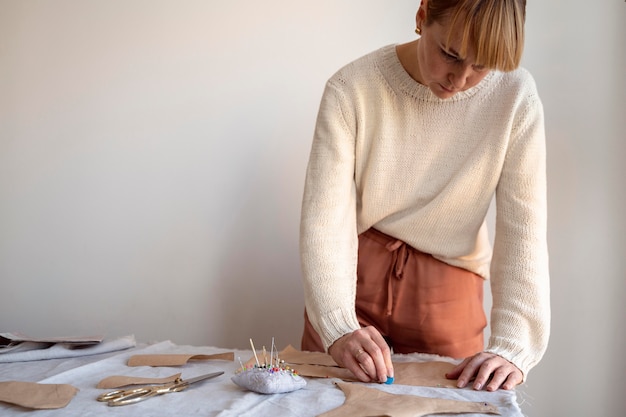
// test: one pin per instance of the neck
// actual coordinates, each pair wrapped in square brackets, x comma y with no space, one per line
[407,54]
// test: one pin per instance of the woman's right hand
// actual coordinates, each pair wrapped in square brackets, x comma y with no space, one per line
[365,353]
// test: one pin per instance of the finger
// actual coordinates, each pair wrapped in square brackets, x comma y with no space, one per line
[514,379]
[470,370]
[390,373]
[366,363]
[354,365]
[495,370]
[379,352]
[385,365]
[487,371]
[456,371]
[506,378]
[373,362]
[498,377]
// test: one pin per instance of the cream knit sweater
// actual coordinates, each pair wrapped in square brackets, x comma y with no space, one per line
[387,153]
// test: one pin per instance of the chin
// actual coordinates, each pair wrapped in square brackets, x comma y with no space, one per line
[444,94]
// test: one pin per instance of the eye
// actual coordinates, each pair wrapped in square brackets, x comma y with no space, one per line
[479,68]
[448,56]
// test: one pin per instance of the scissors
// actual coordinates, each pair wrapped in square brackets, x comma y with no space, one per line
[131,396]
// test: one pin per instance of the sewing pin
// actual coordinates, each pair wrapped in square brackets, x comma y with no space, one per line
[254,351]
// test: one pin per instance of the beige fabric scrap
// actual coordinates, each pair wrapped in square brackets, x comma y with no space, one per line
[35,395]
[322,365]
[364,401]
[118,381]
[175,359]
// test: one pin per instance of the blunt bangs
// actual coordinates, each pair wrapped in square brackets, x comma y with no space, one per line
[495,29]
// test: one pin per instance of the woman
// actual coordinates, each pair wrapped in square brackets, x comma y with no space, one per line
[411,144]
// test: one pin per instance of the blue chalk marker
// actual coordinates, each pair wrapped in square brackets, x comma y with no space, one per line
[389,380]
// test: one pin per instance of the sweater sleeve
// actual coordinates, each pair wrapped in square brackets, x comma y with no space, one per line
[328,232]
[520,316]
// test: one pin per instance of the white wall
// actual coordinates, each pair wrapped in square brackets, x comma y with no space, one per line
[152,155]
[576,50]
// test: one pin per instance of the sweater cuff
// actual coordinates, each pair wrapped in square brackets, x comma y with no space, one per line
[335,324]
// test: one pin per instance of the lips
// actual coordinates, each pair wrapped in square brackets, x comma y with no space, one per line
[449,90]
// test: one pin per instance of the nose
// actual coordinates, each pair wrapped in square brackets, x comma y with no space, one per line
[458,77]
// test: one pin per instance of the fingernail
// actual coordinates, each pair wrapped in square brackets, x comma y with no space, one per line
[460,383]
[478,386]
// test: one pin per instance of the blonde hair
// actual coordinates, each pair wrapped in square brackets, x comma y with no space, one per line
[494,27]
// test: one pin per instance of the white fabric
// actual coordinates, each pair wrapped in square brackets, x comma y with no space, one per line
[214,397]
[32,351]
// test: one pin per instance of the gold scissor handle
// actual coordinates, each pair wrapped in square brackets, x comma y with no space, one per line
[131,396]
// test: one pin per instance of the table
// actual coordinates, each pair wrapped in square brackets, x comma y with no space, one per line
[215,397]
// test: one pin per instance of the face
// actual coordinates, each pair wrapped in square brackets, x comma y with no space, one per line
[440,65]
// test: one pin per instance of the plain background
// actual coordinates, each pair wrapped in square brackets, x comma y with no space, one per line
[152,158]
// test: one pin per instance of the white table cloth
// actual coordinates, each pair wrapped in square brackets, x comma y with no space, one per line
[214,397]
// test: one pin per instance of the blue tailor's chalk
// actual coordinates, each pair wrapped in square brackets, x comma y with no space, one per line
[389,380]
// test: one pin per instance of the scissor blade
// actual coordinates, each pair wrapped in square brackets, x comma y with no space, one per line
[202,377]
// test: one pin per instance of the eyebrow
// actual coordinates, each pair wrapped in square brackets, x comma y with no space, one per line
[457,56]
[451,51]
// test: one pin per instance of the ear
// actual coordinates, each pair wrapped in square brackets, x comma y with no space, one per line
[420,17]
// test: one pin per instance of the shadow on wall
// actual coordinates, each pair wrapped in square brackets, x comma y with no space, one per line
[259,287]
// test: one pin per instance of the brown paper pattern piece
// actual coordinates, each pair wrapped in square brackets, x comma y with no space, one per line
[321,371]
[292,355]
[118,381]
[35,395]
[423,374]
[322,365]
[364,401]
[176,359]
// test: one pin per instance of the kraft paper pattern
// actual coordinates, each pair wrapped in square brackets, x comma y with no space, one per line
[363,401]
[176,359]
[321,365]
[37,396]
[118,381]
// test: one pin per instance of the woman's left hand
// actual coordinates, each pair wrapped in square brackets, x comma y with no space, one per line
[488,370]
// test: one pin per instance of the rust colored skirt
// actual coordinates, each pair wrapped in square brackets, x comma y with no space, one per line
[418,303]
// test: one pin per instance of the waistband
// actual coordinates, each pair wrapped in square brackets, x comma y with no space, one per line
[389,241]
